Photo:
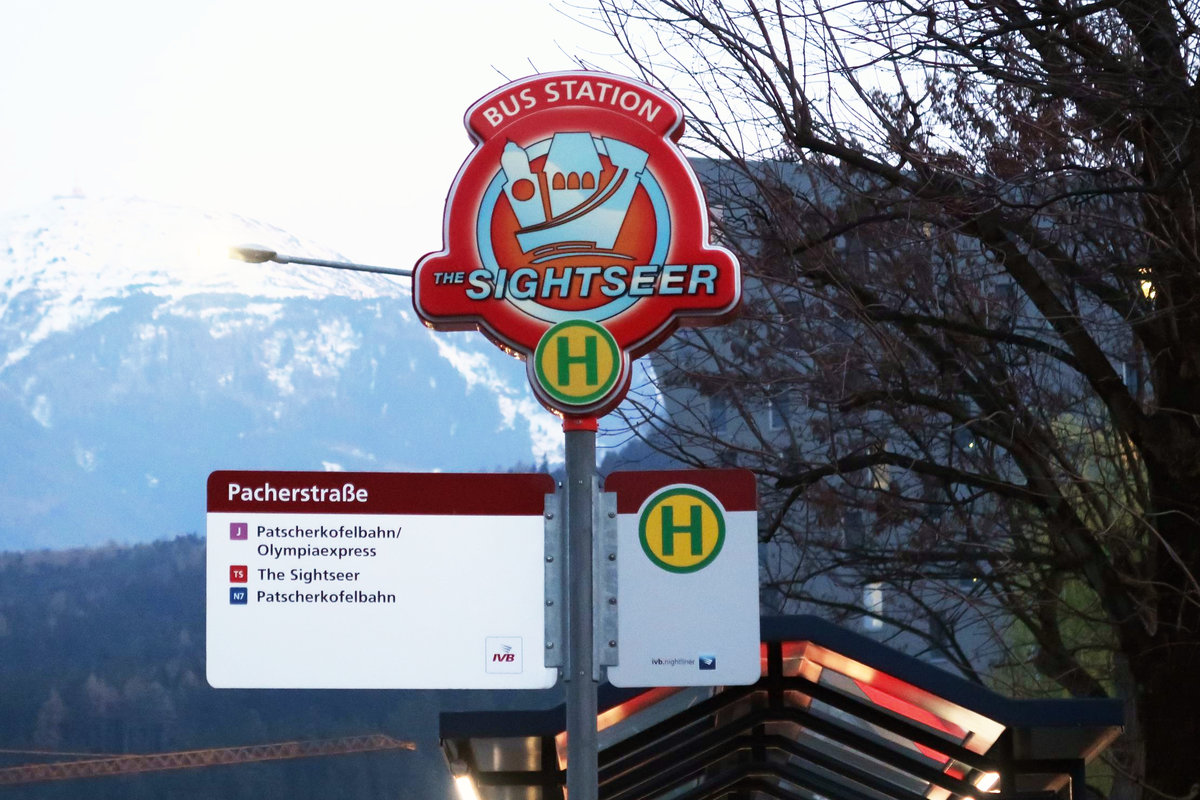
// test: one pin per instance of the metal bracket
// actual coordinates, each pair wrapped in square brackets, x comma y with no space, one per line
[555,564]
[604,581]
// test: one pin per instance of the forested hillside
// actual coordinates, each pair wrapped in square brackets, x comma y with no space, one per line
[102,651]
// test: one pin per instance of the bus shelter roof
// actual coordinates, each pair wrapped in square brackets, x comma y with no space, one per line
[835,715]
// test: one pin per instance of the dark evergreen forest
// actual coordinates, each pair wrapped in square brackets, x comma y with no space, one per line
[102,651]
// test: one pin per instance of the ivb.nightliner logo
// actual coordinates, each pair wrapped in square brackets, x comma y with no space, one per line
[576,235]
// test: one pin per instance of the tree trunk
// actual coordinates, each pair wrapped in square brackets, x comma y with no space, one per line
[1166,672]
[1168,702]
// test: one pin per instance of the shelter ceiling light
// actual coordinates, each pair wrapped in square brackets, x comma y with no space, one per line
[465,786]
[987,781]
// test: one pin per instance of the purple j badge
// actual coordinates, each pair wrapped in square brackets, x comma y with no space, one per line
[238,530]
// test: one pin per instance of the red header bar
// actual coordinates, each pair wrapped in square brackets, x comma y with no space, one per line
[735,488]
[481,494]
[587,92]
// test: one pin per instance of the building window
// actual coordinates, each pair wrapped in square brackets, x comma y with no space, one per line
[787,322]
[778,410]
[1131,373]
[717,214]
[854,533]
[854,250]
[1002,306]
[964,439]
[941,635]
[718,412]
[873,606]
[881,477]
[879,474]
[934,497]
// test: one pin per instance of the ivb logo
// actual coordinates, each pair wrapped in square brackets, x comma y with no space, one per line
[682,528]
[502,655]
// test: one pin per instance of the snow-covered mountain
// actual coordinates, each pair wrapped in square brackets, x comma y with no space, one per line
[135,358]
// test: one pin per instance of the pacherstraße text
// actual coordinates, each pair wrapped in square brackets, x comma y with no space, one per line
[266,493]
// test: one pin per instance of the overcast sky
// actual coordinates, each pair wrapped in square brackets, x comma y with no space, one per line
[340,122]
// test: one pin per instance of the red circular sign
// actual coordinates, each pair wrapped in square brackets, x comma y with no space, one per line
[576,205]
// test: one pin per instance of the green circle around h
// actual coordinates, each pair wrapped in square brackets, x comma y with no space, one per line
[588,359]
[672,530]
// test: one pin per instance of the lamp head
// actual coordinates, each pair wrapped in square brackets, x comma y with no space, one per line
[252,253]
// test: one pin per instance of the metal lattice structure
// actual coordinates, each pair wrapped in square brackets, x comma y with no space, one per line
[190,759]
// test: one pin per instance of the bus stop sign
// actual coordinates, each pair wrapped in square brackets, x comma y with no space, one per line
[576,236]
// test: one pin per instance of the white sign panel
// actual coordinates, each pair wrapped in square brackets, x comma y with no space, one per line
[376,580]
[687,578]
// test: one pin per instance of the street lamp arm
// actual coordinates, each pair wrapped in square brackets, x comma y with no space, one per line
[254,254]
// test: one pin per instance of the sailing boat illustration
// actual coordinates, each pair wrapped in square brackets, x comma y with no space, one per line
[573,205]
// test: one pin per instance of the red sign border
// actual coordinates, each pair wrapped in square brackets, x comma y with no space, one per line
[736,489]
[649,321]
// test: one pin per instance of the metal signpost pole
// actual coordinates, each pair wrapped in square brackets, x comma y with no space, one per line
[582,756]
[558,178]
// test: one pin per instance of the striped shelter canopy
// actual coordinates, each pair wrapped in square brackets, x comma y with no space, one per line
[835,716]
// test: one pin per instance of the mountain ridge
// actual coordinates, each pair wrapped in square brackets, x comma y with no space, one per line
[135,358]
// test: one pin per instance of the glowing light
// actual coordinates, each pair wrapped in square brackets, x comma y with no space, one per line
[1146,284]
[466,788]
[987,781]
